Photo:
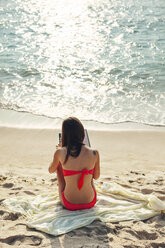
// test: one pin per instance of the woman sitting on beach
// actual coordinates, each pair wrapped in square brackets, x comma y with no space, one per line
[76,166]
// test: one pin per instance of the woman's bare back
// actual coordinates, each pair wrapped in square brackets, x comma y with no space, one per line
[87,159]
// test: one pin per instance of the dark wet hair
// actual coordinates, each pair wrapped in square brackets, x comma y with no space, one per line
[72,136]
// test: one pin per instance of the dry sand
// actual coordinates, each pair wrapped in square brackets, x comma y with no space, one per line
[133,158]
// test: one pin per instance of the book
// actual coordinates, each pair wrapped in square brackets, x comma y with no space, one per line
[86,139]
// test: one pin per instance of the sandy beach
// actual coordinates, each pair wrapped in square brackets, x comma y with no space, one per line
[102,62]
[132,158]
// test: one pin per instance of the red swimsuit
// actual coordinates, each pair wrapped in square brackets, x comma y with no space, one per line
[72,206]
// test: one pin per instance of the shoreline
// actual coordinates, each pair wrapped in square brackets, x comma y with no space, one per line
[24,120]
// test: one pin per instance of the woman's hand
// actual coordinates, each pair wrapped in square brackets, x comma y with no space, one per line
[58,146]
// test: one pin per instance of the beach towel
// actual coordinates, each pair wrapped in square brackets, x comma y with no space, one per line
[114,203]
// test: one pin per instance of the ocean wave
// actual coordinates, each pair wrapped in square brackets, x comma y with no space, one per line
[28,73]
[87,120]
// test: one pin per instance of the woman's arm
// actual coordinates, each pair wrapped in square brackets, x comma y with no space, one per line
[96,172]
[56,161]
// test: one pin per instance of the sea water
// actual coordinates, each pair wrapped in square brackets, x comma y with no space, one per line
[102,61]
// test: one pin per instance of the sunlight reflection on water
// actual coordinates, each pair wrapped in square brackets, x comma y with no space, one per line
[97,60]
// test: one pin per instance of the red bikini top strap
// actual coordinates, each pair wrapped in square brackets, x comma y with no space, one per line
[70,172]
[81,180]
[83,173]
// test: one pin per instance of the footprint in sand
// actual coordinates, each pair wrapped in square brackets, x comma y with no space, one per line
[9,216]
[97,231]
[16,193]
[28,192]
[143,235]
[53,180]
[19,240]
[158,245]
[97,235]
[161,198]
[18,188]
[147,191]
[7,185]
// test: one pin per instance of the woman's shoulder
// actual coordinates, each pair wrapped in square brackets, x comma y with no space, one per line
[61,151]
[91,150]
